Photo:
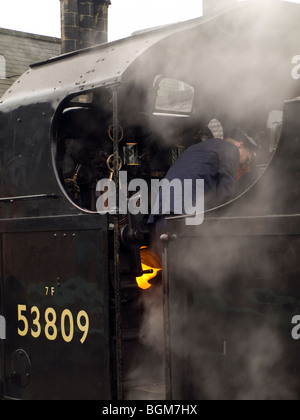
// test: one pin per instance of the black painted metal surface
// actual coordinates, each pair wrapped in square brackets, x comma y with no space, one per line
[68,305]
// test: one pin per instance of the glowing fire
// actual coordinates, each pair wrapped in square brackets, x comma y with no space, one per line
[143,281]
[150,261]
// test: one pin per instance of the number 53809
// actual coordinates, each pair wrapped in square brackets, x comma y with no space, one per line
[52,325]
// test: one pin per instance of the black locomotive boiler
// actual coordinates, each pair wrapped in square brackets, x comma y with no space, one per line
[72,306]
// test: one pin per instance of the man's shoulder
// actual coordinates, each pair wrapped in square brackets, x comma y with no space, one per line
[211,143]
[216,145]
[224,149]
[219,142]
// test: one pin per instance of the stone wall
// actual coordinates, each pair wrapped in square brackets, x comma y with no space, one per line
[20,49]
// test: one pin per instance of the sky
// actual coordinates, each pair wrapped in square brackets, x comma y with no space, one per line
[125,16]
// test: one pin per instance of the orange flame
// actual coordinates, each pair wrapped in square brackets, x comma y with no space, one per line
[143,281]
[150,261]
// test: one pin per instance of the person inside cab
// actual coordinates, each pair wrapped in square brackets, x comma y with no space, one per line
[220,163]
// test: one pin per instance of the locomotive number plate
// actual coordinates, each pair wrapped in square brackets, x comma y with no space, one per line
[51,325]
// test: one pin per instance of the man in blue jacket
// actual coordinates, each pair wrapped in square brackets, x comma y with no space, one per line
[220,163]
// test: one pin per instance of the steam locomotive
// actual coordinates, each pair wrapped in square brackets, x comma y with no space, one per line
[216,322]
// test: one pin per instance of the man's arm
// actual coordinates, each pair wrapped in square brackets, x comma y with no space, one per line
[226,183]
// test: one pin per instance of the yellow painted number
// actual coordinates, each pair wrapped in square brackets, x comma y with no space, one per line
[50,327]
[67,314]
[84,327]
[67,327]
[22,318]
[36,321]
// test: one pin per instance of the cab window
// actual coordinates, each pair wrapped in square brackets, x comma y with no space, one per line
[174,95]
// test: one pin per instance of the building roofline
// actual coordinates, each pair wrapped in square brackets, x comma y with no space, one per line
[12,32]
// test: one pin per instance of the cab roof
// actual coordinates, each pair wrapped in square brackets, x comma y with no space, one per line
[108,64]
